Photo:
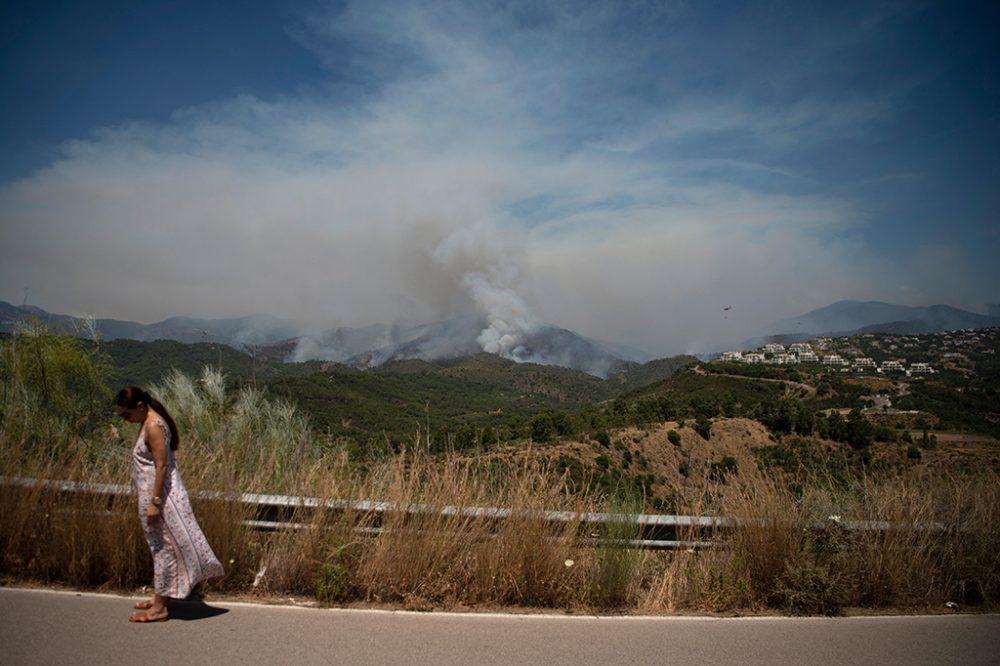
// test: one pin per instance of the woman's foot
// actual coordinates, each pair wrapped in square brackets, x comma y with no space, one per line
[145,604]
[149,616]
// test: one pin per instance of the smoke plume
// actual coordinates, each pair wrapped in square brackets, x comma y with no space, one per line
[483,260]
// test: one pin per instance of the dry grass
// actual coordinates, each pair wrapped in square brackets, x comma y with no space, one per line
[784,551]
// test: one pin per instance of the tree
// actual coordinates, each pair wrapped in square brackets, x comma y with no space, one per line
[562,424]
[703,426]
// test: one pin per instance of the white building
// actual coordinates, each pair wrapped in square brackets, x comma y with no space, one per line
[808,357]
[774,348]
[834,359]
[799,348]
[732,356]
[921,368]
[864,363]
[892,366]
[785,359]
[753,358]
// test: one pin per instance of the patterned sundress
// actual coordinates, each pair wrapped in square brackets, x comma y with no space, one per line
[181,555]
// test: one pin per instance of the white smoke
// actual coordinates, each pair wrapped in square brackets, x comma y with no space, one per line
[483,260]
[309,349]
[507,315]
[343,344]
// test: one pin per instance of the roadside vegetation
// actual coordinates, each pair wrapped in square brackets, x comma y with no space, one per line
[793,498]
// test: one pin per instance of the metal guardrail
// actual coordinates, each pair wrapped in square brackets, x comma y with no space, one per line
[281,512]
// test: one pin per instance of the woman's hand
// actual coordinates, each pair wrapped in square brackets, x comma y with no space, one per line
[152,513]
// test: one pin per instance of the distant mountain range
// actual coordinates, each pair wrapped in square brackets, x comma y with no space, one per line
[251,330]
[366,347]
[845,318]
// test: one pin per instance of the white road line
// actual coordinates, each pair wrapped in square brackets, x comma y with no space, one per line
[509,616]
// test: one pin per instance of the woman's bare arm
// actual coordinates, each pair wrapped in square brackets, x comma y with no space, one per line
[157,443]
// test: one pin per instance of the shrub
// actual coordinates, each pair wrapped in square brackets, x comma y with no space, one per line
[603,438]
[674,437]
[718,471]
[333,578]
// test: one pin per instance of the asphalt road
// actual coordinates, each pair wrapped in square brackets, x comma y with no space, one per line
[43,627]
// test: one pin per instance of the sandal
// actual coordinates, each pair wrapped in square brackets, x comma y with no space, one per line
[145,617]
[145,604]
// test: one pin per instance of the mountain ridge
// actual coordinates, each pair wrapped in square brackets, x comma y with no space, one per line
[365,347]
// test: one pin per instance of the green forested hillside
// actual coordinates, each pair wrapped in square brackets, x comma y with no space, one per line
[481,392]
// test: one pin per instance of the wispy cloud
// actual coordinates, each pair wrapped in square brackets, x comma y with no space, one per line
[548,148]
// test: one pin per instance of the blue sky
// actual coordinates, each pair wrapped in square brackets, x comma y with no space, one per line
[624,169]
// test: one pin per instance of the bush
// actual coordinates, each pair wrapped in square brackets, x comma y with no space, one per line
[332,580]
[718,471]
[913,453]
[603,438]
[674,437]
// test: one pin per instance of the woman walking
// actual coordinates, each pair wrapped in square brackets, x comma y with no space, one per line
[181,556]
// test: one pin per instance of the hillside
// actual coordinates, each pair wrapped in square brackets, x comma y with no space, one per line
[651,372]
[146,363]
[396,399]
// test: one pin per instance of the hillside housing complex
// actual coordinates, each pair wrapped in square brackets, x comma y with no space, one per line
[774,353]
